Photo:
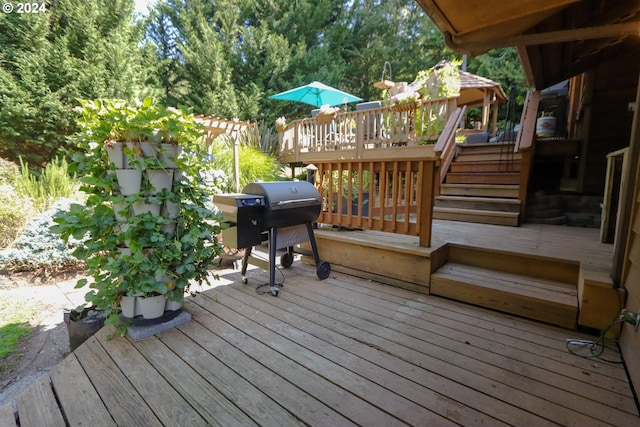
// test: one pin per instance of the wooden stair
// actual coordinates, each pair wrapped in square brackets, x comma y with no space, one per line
[537,288]
[482,185]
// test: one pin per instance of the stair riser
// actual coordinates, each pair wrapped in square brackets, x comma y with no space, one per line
[460,291]
[487,148]
[479,219]
[479,192]
[487,157]
[515,263]
[488,178]
[471,167]
[487,205]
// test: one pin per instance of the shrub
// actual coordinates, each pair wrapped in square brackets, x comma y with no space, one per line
[8,172]
[37,248]
[54,183]
[255,165]
[15,211]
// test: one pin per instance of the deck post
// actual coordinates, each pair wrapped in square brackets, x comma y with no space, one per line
[359,134]
[430,174]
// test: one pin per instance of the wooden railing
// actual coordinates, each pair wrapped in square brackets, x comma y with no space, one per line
[446,146]
[358,134]
[392,196]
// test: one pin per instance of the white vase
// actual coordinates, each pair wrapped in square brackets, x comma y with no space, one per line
[123,251]
[174,305]
[169,228]
[128,306]
[132,152]
[151,307]
[168,153]
[149,149]
[170,209]
[160,179]
[129,181]
[117,209]
[141,207]
[115,154]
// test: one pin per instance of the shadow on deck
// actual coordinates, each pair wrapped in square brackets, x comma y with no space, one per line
[343,351]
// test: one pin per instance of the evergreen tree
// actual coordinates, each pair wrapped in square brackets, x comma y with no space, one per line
[49,60]
[191,56]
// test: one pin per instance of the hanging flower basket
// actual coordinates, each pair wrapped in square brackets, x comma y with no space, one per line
[281,128]
[325,118]
[405,106]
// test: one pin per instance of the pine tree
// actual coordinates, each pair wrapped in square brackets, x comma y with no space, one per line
[49,61]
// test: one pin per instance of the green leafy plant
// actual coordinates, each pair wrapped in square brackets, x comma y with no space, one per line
[255,165]
[15,211]
[52,183]
[141,254]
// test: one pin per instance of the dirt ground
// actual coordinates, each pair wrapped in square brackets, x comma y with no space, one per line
[48,344]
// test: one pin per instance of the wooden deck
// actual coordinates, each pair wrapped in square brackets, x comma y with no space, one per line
[338,352]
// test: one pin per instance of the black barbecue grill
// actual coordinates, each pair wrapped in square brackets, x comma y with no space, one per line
[280,212]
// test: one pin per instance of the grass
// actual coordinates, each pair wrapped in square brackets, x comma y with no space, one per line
[14,323]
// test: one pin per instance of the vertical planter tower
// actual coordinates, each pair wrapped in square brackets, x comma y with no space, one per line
[148,235]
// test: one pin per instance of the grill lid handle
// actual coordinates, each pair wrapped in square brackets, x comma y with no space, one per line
[287,202]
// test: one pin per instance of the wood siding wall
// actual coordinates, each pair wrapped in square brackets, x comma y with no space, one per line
[610,123]
[630,339]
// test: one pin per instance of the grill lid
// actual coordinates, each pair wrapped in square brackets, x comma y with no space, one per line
[285,194]
[287,202]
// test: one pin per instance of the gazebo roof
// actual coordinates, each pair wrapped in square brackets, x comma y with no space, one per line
[473,88]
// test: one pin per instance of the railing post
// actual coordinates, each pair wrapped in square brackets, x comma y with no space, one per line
[429,172]
[359,133]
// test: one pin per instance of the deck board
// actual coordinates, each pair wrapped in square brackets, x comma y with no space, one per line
[80,402]
[37,405]
[506,385]
[121,399]
[338,352]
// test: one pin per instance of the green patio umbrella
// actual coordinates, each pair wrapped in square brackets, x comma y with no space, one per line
[316,94]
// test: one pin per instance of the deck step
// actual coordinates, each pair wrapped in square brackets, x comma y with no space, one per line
[535,298]
[479,216]
[484,147]
[478,203]
[480,190]
[483,178]
[486,166]
[482,157]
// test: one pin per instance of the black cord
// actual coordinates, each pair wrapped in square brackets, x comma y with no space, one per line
[259,289]
[597,348]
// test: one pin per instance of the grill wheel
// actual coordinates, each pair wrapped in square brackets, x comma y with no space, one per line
[286,260]
[323,270]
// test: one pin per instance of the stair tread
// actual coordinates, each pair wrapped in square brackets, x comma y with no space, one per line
[548,292]
[511,282]
[475,211]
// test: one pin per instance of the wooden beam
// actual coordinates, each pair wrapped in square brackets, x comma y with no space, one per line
[477,47]
[527,132]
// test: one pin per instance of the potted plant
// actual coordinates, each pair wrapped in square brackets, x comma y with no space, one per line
[327,113]
[152,242]
[281,124]
[404,101]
